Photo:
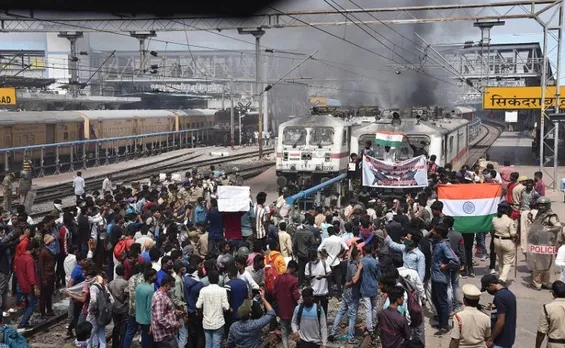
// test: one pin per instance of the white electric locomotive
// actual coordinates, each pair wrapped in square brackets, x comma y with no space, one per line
[311,149]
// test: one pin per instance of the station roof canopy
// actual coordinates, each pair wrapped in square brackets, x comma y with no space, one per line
[24,82]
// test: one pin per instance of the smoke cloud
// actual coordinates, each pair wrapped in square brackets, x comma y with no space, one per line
[403,79]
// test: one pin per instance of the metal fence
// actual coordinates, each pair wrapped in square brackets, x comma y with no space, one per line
[73,155]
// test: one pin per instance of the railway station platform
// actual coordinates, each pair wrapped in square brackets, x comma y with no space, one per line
[516,147]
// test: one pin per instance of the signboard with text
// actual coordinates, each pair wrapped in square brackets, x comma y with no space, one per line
[518,98]
[8,96]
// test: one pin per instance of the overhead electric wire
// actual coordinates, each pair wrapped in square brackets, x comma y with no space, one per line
[356,44]
[343,13]
[418,70]
[229,50]
[403,36]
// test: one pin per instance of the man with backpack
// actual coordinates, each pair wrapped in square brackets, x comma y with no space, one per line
[393,326]
[317,272]
[274,267]
[414,293]
[119,291]
[100,309]
[309,322]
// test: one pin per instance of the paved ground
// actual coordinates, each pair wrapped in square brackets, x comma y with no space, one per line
[516,147]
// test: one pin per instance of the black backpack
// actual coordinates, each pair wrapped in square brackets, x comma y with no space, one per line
[104,306]
[414,305]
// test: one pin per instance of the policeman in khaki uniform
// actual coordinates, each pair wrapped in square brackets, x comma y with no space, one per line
[471,327]
[552,319]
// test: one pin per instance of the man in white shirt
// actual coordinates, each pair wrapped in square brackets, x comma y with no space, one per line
[69,264]
[107,185]
[213,301]
[335,247]
[318,271]
[79,186]
[389,156]
[242,273]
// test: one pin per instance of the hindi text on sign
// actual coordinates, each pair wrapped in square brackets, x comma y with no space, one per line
[518,98]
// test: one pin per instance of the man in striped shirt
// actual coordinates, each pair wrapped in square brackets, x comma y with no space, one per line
[261,218]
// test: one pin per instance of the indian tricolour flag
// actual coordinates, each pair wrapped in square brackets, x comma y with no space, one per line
[392,139]
[472,205]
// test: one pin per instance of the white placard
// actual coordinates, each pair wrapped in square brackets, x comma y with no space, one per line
[511,116]
[233,198]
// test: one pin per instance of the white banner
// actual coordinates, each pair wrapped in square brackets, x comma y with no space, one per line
[511,116]
[233,198]
[405,174]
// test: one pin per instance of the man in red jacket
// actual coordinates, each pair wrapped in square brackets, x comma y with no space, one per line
[27,279]
[287,296]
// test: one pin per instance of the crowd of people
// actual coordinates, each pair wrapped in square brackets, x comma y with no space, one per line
[161,260]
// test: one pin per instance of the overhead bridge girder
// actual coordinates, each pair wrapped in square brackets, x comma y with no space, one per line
[19,21]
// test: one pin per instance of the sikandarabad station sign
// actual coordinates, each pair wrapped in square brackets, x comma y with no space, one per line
[518,98]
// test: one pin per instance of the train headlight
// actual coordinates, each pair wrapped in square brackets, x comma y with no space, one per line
[318,168]
[327,157]
[285,156]
[293,168]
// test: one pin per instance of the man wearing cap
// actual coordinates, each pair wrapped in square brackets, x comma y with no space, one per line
[517,193]
[503,237]
[471,327]
[503,312]
[246,332]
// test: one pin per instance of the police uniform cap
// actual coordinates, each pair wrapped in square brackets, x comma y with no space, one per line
[471,292]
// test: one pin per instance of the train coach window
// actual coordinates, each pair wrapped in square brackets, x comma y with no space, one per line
[294,136]
[66,136]
[322,136]
[345,138]
[7,141]
[450,144]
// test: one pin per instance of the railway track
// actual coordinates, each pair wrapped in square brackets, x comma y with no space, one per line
[139,172]
[246,174]
[492,132]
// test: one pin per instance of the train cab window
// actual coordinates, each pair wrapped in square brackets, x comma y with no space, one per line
[418,142]
[322,136]
[294,136]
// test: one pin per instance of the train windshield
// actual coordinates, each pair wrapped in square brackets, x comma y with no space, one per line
[294,136]
[321,136]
